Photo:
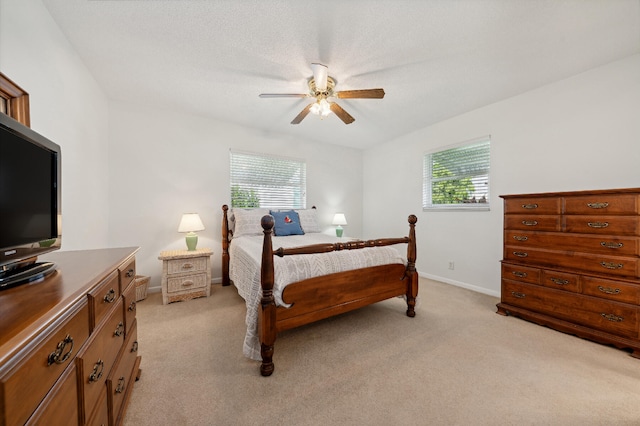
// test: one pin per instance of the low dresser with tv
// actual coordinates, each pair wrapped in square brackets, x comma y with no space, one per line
[68,342]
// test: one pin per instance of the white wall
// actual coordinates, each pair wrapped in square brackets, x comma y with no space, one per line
[577,134]
[68,107]
[164,163]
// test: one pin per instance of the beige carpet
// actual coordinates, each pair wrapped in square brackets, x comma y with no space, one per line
[455,363]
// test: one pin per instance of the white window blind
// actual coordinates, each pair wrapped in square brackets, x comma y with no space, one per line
[266,181]
[458,177]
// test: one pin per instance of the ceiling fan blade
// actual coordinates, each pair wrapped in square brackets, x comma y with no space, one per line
[320,73]
[302,115]
[366,93]
[283,95]
[341,113]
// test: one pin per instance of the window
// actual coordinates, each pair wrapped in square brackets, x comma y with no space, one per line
[458,177]
[14,101]
[267,181]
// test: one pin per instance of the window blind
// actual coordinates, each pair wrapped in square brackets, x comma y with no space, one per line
[267,181]
[458,177]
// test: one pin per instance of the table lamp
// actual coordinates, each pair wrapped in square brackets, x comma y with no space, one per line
[190,223]
[339,220]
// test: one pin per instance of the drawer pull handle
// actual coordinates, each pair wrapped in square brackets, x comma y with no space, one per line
[611,245]
[130,272]
[559,281]
[520,254]
[609,290]
[598,205]
[598,225]
[110,296]
[518,295]
[611,317]
[134,346]
[57,356]
[120,386]
[187,266]
[119,330]
[520,237]
[98,369]
[132,306]
[188,283]
[611,265]
[520,274]
[530,206]
[529,222]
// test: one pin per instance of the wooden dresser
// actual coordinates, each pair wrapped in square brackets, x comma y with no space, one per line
[571,262]
[68,344]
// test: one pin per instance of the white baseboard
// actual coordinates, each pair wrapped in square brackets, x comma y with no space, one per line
[460,284]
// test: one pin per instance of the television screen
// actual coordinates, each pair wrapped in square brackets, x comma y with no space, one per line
[27,192]
[30,213]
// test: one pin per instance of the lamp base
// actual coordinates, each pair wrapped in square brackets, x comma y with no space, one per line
[192,241]
[339,231]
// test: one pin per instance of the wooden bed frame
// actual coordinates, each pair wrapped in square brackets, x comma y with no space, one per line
[325,296]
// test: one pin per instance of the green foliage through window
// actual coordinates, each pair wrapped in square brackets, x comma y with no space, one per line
[457,177]
[259,180]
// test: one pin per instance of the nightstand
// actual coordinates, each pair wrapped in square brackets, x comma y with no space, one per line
[185,274]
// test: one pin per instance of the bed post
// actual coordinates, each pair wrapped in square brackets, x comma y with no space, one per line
[267,313]
[225,246]
[412,275]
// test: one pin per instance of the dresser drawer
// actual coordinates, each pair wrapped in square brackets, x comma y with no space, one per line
[606,244]
[127,273]
[190,282]
[620,225]
[533,223]
[103,297]
[99,356]
[615,318]
[521,273]
[602,204]
[27,383]
[179,266]
[534,205]
[129,297]
[60,407]
[121,379]
[614,290]
[561,280]
[100,415]
[619,266]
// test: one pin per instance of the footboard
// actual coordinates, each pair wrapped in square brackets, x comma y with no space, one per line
[322,297]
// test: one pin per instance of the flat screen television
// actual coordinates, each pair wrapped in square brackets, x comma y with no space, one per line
[30,211]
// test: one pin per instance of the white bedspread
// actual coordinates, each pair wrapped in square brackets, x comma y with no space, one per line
[244,270]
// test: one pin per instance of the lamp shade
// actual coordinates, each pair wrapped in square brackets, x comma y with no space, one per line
[190,222]
[339,219]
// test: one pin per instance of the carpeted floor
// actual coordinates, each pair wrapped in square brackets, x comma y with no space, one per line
[455,363]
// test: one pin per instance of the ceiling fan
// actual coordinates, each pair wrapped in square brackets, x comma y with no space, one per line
[321,87]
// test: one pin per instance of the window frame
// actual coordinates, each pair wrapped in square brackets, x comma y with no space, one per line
[14,101]
[251,180]
[427,204]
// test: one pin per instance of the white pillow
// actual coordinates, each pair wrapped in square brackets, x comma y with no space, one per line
[247,221]
[309,220]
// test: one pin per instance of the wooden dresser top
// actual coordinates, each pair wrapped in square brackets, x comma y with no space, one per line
[27,310]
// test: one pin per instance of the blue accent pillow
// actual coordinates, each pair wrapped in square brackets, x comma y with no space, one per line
[287,223]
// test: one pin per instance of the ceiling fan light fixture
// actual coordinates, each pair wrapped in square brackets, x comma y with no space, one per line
[321,108]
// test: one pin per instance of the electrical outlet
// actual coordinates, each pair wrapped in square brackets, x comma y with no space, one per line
[451,265]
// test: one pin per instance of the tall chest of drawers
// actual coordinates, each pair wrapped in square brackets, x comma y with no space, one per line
[572,262]
[68,344]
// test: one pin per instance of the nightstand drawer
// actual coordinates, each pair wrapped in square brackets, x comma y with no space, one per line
[187,283]
[179,266]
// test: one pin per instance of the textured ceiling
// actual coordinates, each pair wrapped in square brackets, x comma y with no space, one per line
[435,59]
